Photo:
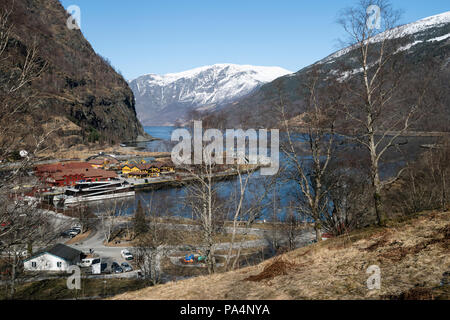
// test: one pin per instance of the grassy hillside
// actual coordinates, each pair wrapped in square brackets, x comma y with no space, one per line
[413,255]
[56,289]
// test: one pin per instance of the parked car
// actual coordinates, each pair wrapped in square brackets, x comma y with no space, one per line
[115,268]
[127,254]
[65,234]
[85,263]
[76,228]
[126,267]
[73,233]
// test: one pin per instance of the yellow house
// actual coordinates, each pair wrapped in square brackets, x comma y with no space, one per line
[141,170]
[150,169]
[127,169]
[168,169]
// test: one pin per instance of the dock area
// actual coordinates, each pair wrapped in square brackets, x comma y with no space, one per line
[177,181]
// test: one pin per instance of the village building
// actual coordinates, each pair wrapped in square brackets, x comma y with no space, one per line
[71,177]
[56,259]
[147,170]
[167,167]
[97,163]
[68,174]
[103,163]
[128,169]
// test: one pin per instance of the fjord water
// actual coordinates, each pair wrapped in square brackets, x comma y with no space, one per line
[170,201]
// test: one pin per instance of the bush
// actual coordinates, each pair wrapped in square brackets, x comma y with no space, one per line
[94,136]
[423,186]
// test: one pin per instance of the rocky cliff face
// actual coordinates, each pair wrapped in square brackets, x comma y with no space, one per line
[78,85]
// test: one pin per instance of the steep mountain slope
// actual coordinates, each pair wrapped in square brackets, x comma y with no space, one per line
[412,256]
[78,88]
[167,98]
[425,42]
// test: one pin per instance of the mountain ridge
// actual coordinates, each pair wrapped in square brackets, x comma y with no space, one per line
[79,87]
[202,88]
[426,40]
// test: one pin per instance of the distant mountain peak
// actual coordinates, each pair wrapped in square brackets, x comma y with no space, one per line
[164,99]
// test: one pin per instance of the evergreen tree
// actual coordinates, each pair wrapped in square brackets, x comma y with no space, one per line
[140,225]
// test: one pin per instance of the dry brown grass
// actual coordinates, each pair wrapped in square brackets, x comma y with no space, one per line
[177,237]
[412,255]
[279,267]
[79,238]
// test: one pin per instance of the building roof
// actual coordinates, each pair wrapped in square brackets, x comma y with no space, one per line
[58,167]
[146,166]
[166,163]
[86,173]
[60,250]
[97,162]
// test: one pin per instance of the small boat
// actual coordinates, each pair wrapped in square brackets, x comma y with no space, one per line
[94,191]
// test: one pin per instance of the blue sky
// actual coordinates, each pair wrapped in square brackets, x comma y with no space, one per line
[149,36]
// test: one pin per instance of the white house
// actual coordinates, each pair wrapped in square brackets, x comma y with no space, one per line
[58,258]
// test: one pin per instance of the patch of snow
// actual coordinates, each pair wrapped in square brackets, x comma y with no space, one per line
[208,85]
[408,46]
[440,38]
[401,31]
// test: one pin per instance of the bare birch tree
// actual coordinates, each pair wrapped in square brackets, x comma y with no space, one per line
[374,78]
[22,224]
[202,198]
[247,205]
[308,172]
[153,245]
[109,217]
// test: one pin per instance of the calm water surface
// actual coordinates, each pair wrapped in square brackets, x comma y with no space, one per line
[171,201]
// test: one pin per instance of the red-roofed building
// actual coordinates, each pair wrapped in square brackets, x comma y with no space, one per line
[68,174]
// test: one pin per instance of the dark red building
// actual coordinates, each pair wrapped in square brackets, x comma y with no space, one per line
[68,174]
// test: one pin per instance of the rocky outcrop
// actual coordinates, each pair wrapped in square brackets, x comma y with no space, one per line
[78,84]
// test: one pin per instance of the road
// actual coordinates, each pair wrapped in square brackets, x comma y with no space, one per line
[110,254]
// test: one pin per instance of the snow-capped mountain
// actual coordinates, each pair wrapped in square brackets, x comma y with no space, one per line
[164,99]
[425,49]
[416,29]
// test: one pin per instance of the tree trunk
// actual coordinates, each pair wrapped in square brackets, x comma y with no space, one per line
[381,216]
[376,182]
[378,201]
[12,290]
[444,195]
[318,229]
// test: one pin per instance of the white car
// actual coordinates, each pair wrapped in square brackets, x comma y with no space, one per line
[85,263]
[126,254]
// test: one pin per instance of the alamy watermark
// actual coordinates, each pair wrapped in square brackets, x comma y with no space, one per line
[213,152]
[374,17]
[374,281]
[74,280]
[74,21]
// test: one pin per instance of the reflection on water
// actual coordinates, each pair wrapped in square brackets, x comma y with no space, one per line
[162,142]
